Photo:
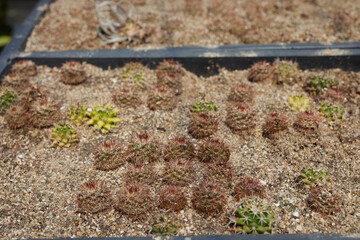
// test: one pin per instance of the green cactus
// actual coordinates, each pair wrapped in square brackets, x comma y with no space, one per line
[298,103]
[133,73]
[7,97]
[102,117]
[311,178]
[285,71]
[165,224]
[203,107]
[331,112]
[77,114]
[252,217]
[317,84]
[63,135]
[178,172]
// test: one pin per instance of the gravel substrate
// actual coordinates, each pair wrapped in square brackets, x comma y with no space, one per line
[69,25]
[38,183]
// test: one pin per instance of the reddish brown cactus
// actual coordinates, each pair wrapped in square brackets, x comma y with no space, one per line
[307,123]
[44,113]
[172,198]
[333,94]
[222,174]
[161,98]
[17,117]
[240,119]
[323,199]
[275,125]
[15,79]
[127,97]
[241,93]
[178,172]
[24,67]
[108,156]
[202,125]
[169,74]
[214,151]
[248,187]
[140,173]
[73,73]
[179,147]
[260,72]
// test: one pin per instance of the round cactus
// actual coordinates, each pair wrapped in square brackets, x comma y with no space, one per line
[333,94]
[102,117]
[310,178]
[133,74]
[323,199]
[172,198]
[29,94]
[24,67]
[169,74]
[241,93]
[73,73]
[108,156]
[140,173]
[248,187]
[298,103]
[179,147]
[307,123]
[222,174]
[77,114]
[275,125]
[285,72]
[7,97]
[214,151]
[135,200]
[208,198]
[63,135]
[202,125]
[94,196]
[260,72]
[178,172]
[15,79]
[17,117]
[240,119]
[161,98]
[165,224]
[127,97]
[44,113]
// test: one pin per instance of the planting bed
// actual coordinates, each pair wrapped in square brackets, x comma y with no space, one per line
[287,137]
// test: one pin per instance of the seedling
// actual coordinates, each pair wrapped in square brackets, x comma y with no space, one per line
[77,114]
[331,112]
[7,97]
[298,103]
[311,178]
[63,135]
[102,117]
[203,106]
[318,84]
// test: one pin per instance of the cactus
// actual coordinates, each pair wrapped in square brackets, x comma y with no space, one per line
[202,125]
[214,151]
[260,72]
[63,135]
[93,197]
[15,79]
[307,123]
[252,217]
[135,200]
[161,98]
[248,187]
[73,73]
[241,93]
[17,117]
[208,198]
[331,112]
[44,113]
[172,198]
[165,224]
[77,114]
[310,178]
[169,74]
[179,147]
[127,97]
[333,94]
[240,119]
[275,125]
[285,72]
[318,84]
[298,103]
[203,107]
[28,94]
[133,74]
[24,67]
[102,117]
[178,172]
[140,173]
[7,97]
[143,149]
[222,174]
[108,156]
[323,199]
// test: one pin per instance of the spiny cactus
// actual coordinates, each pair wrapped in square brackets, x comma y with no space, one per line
[260,72]
[133,74]
[169,74]
[222,174]
[318,84]
[143,149]
[203,107]
[298,103]
[241,93]
[17,117]
[102,117]
[94,196]
[178,172]
[161,98]
[29,94]
[285,72]
[179,147]
[323,199]
[208,198]
[140,173]
[165,224]
[275,125]
[25,68]
[307,123]
[202,125]
[331,112]
[44,113]
[73,73]
[135,200]
[7,97]
[214,151]
[311,178]
[240,119]
[252,217]
[248,187]
[77,114]
[172,198]
[127,97]
[108,156]
[333,94]
[15,79]
[63,135]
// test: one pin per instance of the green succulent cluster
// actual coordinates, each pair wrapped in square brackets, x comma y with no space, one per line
[203,106]
[102,117]
[298,103]
[7,97]
[252,217]
[77,114]
[63,135]
[165,224]
[311,178]
[134,72]
[332,112]
[286,68]
[318,84]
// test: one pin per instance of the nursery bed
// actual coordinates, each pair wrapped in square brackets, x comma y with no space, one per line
[38,183]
